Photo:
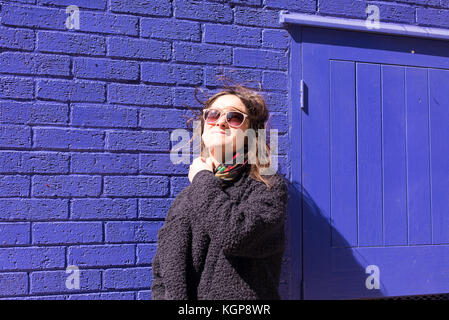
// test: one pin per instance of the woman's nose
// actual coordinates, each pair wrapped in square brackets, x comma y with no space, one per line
[221,122]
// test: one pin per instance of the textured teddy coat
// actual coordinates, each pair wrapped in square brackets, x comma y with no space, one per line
[222,240]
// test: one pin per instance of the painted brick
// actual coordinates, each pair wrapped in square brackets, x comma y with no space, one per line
[129,278]
[33,113]
[55,281]
[71,90]
[257,17]
[143,7]
[202,10]
[33,162]
[132,231]
[73,139]
[424,2]
[13,283]
[70,43]
[163,118]
[156,72]
[13,38]
[139,94]
[138,141]
[278,121]
[66,186]
[213,76]
[32,258]
[396,13]
[24,1]
[103,296]
[10,161]
[161,164]
[276,101]
[109,23]
[101,255]
[104,163]
[183,96]
[66,232]
[144,295]
[15,233]
[33,209]
[202,53]
[274,80]
[145,253]
[90,68]
[15,87]
[247,2]
[36,64]
[12,136]
[119,47]
[432,17]
[14,186]
[177,184]
[90,4]
[293,5]
[49,297]
[230,34]
[44,162]
[265,59]
[158,28]
[103,116]
[103,209]
[34,17]
[129,186]
[354,9]
[154,208]
[275,39]
[283,144]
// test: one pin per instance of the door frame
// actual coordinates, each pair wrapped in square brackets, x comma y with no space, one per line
[294,22]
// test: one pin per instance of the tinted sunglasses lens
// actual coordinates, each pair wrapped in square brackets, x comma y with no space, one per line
[211,116]
[235,118]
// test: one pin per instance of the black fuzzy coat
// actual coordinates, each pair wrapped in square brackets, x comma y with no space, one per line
[222,240]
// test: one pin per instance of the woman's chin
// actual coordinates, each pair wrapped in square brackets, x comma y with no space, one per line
[218,147]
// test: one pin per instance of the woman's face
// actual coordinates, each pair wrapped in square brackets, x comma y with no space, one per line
[221,136]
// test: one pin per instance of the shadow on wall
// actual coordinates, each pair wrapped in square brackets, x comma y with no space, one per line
[330,272]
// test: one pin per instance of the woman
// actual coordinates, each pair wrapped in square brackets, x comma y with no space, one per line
[223,237]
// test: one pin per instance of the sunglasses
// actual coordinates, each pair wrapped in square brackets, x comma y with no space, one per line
[234,118]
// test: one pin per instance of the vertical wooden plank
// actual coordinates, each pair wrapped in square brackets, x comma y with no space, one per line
[342,151]
[369,137]
[418,176]
[315,167]
[394,158]
[439,151]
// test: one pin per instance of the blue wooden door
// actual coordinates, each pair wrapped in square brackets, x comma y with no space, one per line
[375,165]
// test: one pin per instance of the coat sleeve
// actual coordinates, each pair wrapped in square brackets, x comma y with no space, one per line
[250,228]
[172,239]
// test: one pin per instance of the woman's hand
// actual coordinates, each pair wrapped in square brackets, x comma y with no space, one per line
[199,164]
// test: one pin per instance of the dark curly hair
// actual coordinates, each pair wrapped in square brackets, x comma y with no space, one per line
[258,116]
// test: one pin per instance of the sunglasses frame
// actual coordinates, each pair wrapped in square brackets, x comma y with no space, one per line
[226,116]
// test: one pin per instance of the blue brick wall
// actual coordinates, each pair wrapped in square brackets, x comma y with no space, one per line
[86,116]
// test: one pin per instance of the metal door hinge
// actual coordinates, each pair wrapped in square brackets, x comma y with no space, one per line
[301,93]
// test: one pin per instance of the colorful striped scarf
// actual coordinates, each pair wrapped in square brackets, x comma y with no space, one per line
[229,172]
